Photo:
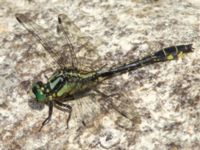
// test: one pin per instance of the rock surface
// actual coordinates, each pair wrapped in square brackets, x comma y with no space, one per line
[162,100]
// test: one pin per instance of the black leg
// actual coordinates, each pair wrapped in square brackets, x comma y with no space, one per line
[69,109]
[46,77]
[50,104]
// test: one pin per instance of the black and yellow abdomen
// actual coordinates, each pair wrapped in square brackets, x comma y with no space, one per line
[165,54]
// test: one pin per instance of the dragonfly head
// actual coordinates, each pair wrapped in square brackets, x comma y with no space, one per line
[38,90]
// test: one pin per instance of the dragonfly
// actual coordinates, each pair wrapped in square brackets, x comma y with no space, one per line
[69,81]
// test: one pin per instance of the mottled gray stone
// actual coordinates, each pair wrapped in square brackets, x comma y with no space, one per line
[165,97]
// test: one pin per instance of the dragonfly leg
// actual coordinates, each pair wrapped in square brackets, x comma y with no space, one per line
[69,109]
[46,77]
[50,104]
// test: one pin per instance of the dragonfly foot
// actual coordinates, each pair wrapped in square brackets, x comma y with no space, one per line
[47,120]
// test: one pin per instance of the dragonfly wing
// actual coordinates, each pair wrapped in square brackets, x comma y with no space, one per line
[118,99]
[85,111]
[124,106]
[61,29]
[83,49]
[46,38]
[91,108]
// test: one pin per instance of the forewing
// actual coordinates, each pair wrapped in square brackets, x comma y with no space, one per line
[81,46]
[51,43]
[62,23]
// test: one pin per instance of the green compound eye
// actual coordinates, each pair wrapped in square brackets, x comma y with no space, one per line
[38,91]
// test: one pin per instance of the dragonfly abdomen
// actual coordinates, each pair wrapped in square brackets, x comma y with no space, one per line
[165,54]
[173,52]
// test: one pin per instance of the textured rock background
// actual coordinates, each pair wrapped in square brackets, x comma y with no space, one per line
[163,99]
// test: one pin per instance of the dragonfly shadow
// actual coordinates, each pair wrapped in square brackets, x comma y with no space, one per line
[32,103]
[35,105]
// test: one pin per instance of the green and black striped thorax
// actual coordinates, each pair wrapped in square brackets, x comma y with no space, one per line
[64,82]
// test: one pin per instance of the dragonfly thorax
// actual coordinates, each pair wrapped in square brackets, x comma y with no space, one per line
[61,84]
